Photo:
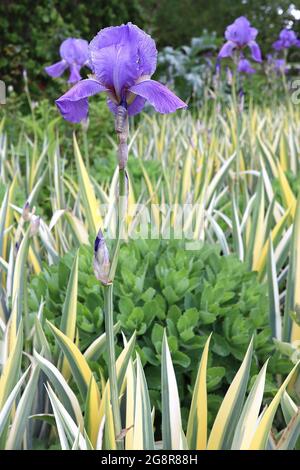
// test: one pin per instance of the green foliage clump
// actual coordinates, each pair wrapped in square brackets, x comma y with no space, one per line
[189,69]
[159,285]
[31,33]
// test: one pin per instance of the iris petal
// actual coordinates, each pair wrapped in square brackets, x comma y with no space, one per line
[73,105]
[136,106]
[57,69]
[74,75]
[255,51]
[227,49]
[240,31]
[158,95]
[75,50]
[122,54]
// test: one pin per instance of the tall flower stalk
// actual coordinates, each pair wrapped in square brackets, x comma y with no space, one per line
[240,35]
[121,128]
[123,59]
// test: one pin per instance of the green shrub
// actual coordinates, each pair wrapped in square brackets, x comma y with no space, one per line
[159,285]
[31,33]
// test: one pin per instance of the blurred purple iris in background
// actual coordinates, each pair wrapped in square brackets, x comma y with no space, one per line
[244,66]
[287,39]
[277,65]
[239,35]
[123,59]
[75,55]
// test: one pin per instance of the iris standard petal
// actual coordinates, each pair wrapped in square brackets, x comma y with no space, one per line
[122,54]
[57,69]
[226,50]
[115,67]
[255,51]
[253,33]
[129,33]
[74,74]
[239,31]
[74,50]
[158,95]
[73,105]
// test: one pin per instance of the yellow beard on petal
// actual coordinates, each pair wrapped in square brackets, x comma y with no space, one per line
[130,97]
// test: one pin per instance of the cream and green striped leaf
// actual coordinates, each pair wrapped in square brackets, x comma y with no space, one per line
[262,431]
[63,390]
[228,415]
[69,311]
[77,362]
[91,206]
[23,411]
[291,331]
[248,420]
[143,436]
[66,427]
[197,422]
[171,414]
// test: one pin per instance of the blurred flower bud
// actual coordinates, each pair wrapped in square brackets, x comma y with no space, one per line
[85,124]
[26,212]
[229,76]
[34,225]
[101,262]
[25,76]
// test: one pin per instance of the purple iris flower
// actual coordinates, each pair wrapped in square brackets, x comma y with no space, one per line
[244,66]
[239,35]
[287,39]
[279,65]
[75,55]
[123,59]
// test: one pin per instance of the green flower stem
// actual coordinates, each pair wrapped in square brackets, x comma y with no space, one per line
[122,132]
[112,371]
[236,105]
[122,203]
[84,127]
